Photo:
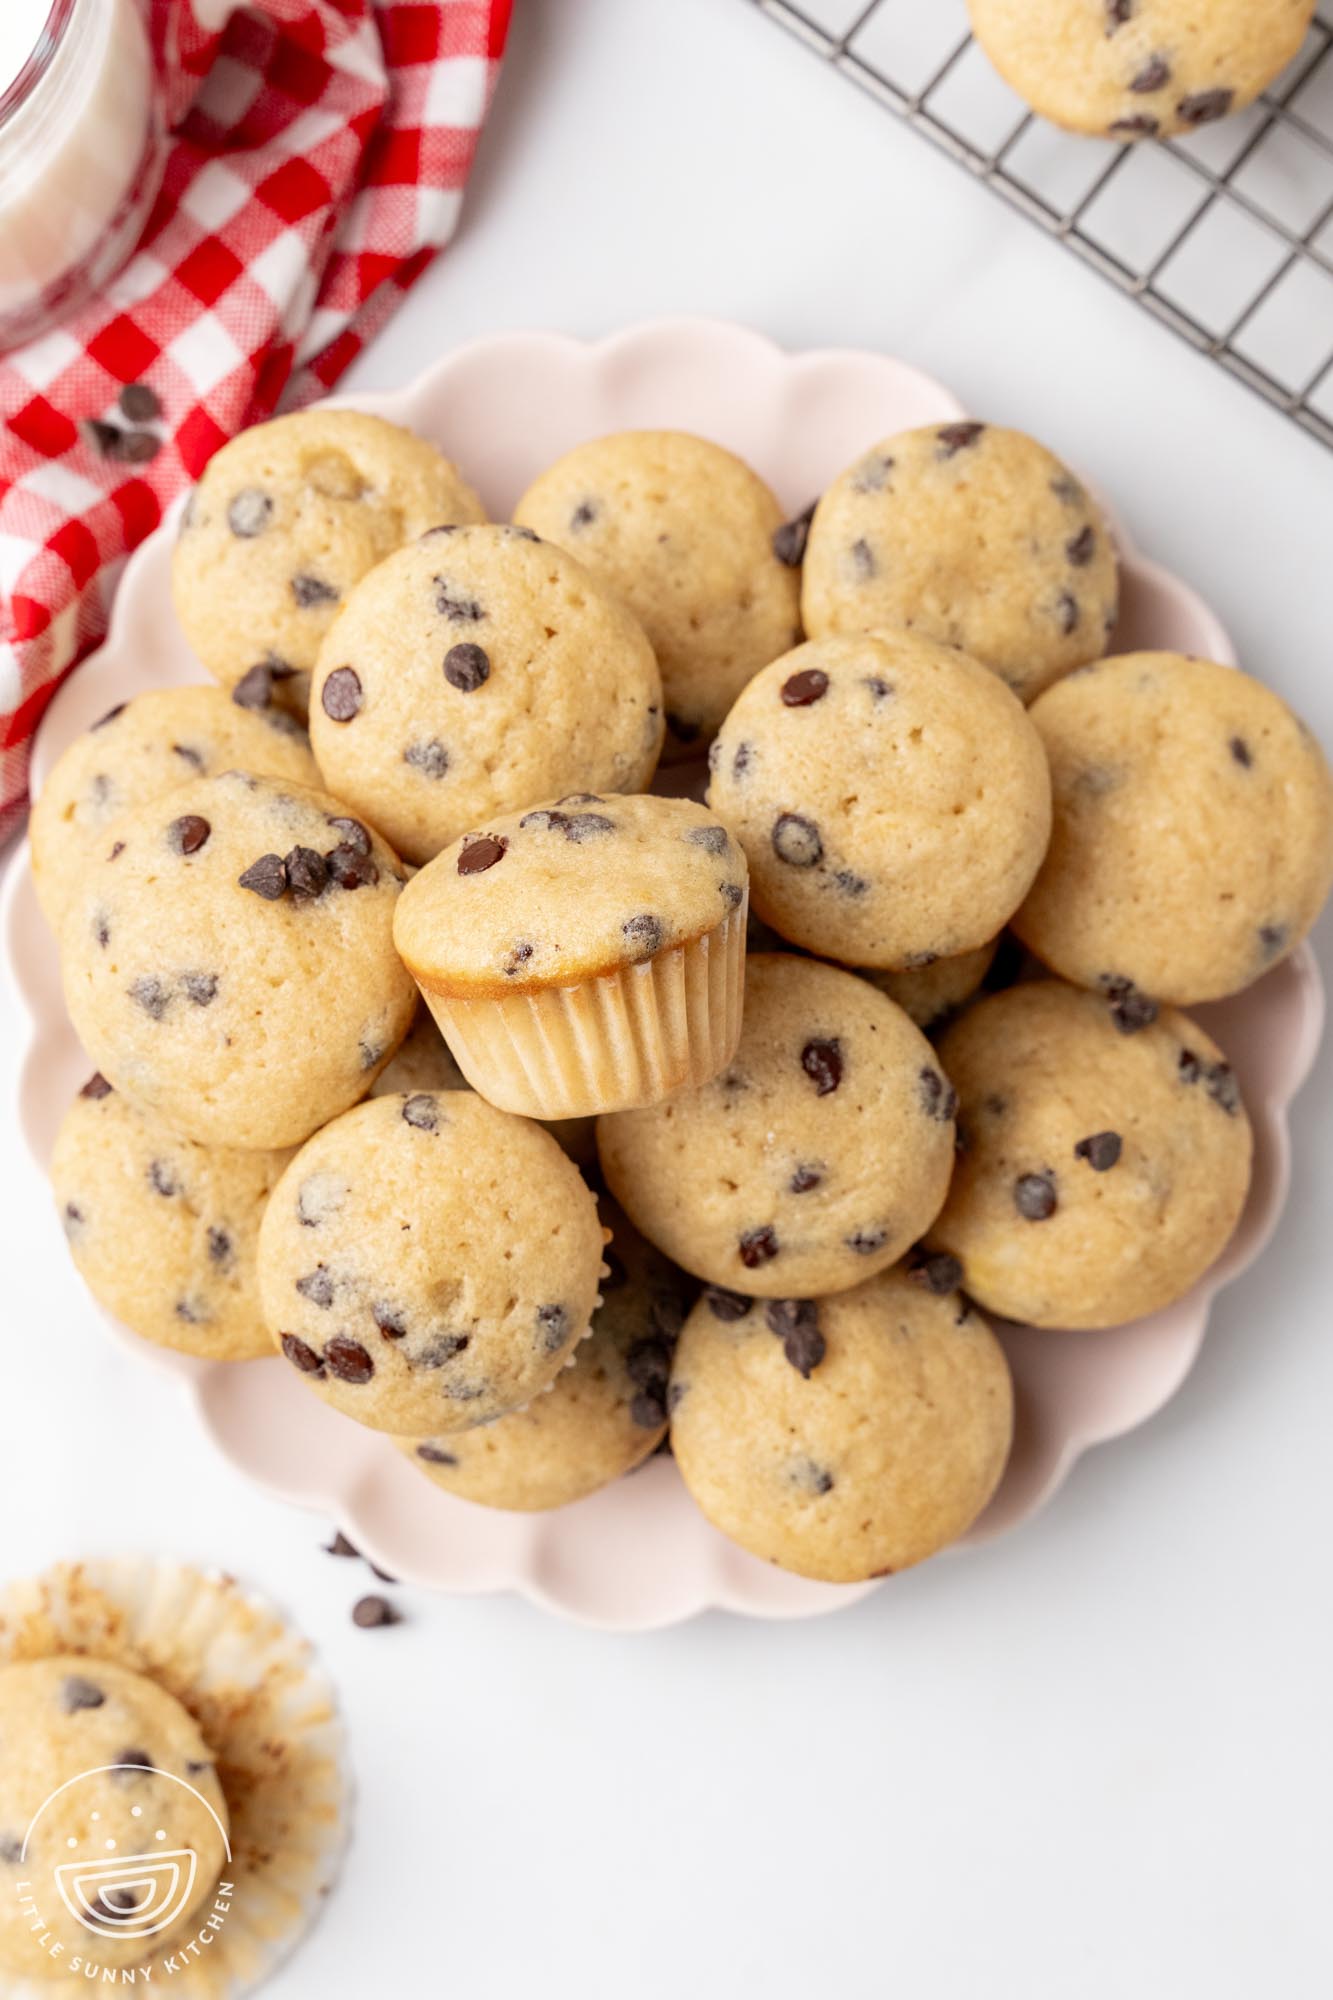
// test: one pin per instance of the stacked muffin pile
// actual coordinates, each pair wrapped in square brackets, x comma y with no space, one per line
[914,745]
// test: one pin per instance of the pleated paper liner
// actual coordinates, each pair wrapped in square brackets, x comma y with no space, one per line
[266,1710]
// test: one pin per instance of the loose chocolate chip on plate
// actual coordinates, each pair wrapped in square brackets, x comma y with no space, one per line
[348,1360]
[340,1546]
[481,853]
[134,447]
[188,833]
[301,1356]
[726,1306]
[422,1111]
[953,438]
[790,539]
[103,437]
[317,1286]
[936,1270]
[434,1454]
[797,840]
[152,995]
[821,1059]
[805,1176]
[266,877]
[249,512]
[1205,106]
[1035,1197]
[466,667]
[1154,75]
[96,1086]
[369,1612]
[645,933]
[340,697]
[939,1099]
[804,689]
[307,872]
[350,868]
[1101,1150]
[758,1246]
[139,403]
[76,1692]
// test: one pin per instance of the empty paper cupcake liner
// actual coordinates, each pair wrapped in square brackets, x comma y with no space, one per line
[266,1711]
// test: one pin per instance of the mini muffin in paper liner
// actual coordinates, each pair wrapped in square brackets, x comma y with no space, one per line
[611,1042]
[267,1713]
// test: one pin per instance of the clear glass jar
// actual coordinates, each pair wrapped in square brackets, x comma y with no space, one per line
[82,147]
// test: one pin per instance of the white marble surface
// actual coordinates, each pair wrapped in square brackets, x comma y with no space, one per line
[1090,1760]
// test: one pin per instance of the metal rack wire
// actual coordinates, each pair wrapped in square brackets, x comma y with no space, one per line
[1225,236]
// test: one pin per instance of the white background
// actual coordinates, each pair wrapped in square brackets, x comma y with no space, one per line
[1088,1761]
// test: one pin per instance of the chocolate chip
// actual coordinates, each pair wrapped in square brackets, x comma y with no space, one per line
[865,1242]
[189,754]
[1117,13]
[758,1246]
[1082,548]
[458,610]
[103,437]
[1154,75]
[312,590]
[1066,612]
[102,936]
[301,1356]
[162,1178]
[307,872]
[191,1312]
[422,1111]
[822,1062]
[255,687]
[726,1306]
[1141,127]
[939,1099]
[848,884]
[219,1245]
[1241,751]
[954,438]
[96,1086]
[740,762]
[805,1175]
[1130,1009]
[1101,1150]
[435,1454]
[76,1693]
[340,697]
[645,933]
[796,1323]
[317,1286]
[340,1546]
[390,1322]
[350,868]
[648,1408]
[553,1324]
[732,894]
[1205,106]
[812,1478]
[1035,1197]
[880,689]
[790,539]
[864,565]
[131,1765]
[117,847]
[466,667]
[482,852]
[802,690]
[139,403]
[151,995]
[74,1216]
[188,833]
[517,959]
[369,1612]
[1218,1079]
[11,1849]
[351,833]
[134,447]
[797,841]
[712,839]
[267,877]
[648,1361]
[348,1360]
[584,514]
[581,799]
[442,1348]
[249,513]
[1272,940]
[935,1270]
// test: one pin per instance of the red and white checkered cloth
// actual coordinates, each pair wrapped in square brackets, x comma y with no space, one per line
[317,159]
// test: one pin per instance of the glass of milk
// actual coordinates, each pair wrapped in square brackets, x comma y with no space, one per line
[81,152]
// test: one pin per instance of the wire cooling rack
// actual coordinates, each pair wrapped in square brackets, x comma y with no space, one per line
[1226,235]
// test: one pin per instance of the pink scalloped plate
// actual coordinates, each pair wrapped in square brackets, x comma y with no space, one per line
[638,1555]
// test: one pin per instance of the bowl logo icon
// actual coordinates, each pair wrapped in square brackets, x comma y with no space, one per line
[129,1895]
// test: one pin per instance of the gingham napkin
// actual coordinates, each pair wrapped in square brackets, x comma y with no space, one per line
[317,160]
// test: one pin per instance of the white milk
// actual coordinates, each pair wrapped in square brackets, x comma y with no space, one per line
[79,152]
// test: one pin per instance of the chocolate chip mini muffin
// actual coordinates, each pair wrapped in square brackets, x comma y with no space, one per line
[472,673]
[972,535]
[690,539]
[585,955]
[929,993]
[602,1416]
[891,796]
[818,1155]
[285,520]
[229,962]
[110,1806]
[842,1438]
[163,1231]
[427,1262]
[1139,69]
[136,753]
[1192,847]
[1100,1172]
